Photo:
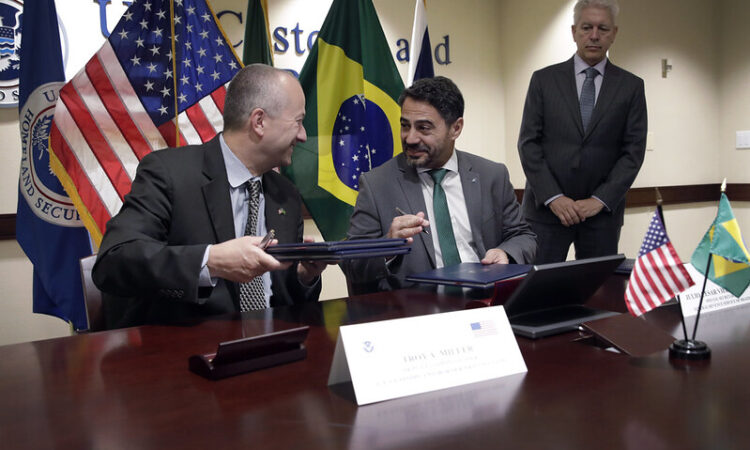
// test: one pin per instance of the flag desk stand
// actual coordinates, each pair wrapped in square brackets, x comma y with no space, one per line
[686,350]
[689,350]
[250,354]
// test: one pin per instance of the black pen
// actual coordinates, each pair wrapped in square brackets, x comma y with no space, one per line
[401,211]
[266,241]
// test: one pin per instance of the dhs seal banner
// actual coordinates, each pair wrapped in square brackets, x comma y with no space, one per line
[40,187]
[10,46]
[48,229]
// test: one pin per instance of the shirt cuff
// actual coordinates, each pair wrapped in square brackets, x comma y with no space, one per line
[549,200]
[205,279]
[602,202]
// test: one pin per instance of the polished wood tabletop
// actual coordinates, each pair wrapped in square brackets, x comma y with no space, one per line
[131,388]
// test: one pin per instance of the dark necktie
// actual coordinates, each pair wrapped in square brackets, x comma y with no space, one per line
[588,96]
[442,221]
[251,293]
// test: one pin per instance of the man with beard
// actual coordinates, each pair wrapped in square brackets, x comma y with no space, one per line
[451,205]
[187,241]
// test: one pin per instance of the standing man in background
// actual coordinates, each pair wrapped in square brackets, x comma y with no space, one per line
[582,142]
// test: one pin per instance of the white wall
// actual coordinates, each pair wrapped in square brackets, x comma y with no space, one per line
[495,46]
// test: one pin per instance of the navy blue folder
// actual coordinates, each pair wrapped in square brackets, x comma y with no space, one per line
[475,275]
[339,250]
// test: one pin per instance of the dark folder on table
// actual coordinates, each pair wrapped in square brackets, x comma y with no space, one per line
[550,298]
[475,275]
[339,250]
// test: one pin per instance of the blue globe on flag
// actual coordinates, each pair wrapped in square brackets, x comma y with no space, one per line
[356,149]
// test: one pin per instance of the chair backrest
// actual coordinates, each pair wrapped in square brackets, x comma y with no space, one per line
[92,296]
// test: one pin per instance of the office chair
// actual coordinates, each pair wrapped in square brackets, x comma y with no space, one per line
[92,296]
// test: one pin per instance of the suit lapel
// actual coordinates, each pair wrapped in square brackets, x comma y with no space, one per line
[217,200]
[566,83]
[277,218]
[216,192]
[610,86]
[412,189]
[472,187]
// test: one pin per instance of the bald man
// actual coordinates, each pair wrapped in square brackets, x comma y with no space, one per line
[181,246]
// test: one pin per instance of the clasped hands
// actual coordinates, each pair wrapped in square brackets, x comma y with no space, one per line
[571,212]
[409,225]
[241,259]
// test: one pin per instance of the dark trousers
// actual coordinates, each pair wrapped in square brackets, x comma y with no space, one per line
[590,240]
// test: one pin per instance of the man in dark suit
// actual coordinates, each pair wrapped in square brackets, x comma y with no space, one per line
[582,142]
[483,216]
[179,247]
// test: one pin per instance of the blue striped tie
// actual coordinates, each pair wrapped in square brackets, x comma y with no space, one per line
[588,97]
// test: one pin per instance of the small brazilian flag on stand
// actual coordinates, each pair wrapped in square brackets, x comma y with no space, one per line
[352,86]
[730,260]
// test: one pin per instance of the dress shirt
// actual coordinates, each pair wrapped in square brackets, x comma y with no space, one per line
[580,67]
[454,194]
[238,175]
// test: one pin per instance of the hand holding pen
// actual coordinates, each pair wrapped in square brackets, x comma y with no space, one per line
[407,225]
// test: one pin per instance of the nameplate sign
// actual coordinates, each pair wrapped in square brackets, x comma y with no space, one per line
[716,297]
[400,357]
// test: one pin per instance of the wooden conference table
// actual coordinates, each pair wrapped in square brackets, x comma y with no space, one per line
[131,388]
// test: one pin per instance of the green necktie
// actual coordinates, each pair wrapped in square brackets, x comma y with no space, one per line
[442,221]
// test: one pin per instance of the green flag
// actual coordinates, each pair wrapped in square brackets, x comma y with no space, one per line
[730,261]
[256,48]
[353,119]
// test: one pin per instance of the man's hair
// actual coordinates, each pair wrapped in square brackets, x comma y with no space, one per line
[255,86]
[609,5]
[441,93]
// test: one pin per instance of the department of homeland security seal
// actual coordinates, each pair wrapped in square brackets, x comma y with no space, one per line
[10,45]
[40,187]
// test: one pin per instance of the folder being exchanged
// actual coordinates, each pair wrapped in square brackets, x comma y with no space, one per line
[339,250]
[475,275]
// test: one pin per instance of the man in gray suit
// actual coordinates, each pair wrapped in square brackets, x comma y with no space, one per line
[483,216]
[582,142]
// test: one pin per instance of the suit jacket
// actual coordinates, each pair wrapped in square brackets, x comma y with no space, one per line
[153,248]
[494,216]
[559,158]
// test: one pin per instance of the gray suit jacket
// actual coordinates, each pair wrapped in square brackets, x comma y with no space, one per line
[559,158]
[494,215]
[152,251]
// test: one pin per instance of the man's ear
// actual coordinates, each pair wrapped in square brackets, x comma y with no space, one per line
[456,128]
[256,121]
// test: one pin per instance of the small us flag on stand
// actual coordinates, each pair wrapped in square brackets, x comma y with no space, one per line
[658,273]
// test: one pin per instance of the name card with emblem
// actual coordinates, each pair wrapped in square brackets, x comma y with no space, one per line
[400,357]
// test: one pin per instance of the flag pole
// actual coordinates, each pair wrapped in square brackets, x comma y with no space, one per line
[703,291]
[659,209]
[174,78]
[705,275]
[690,349]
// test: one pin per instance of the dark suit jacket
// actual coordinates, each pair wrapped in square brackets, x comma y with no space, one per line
[494,216]
[558,158]
[152,251]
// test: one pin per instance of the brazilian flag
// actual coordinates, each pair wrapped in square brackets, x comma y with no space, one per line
[256,48]
[730,260]
[351,86]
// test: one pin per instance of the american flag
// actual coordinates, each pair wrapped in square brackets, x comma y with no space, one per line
[483,328]
[658,273]
[121,105]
